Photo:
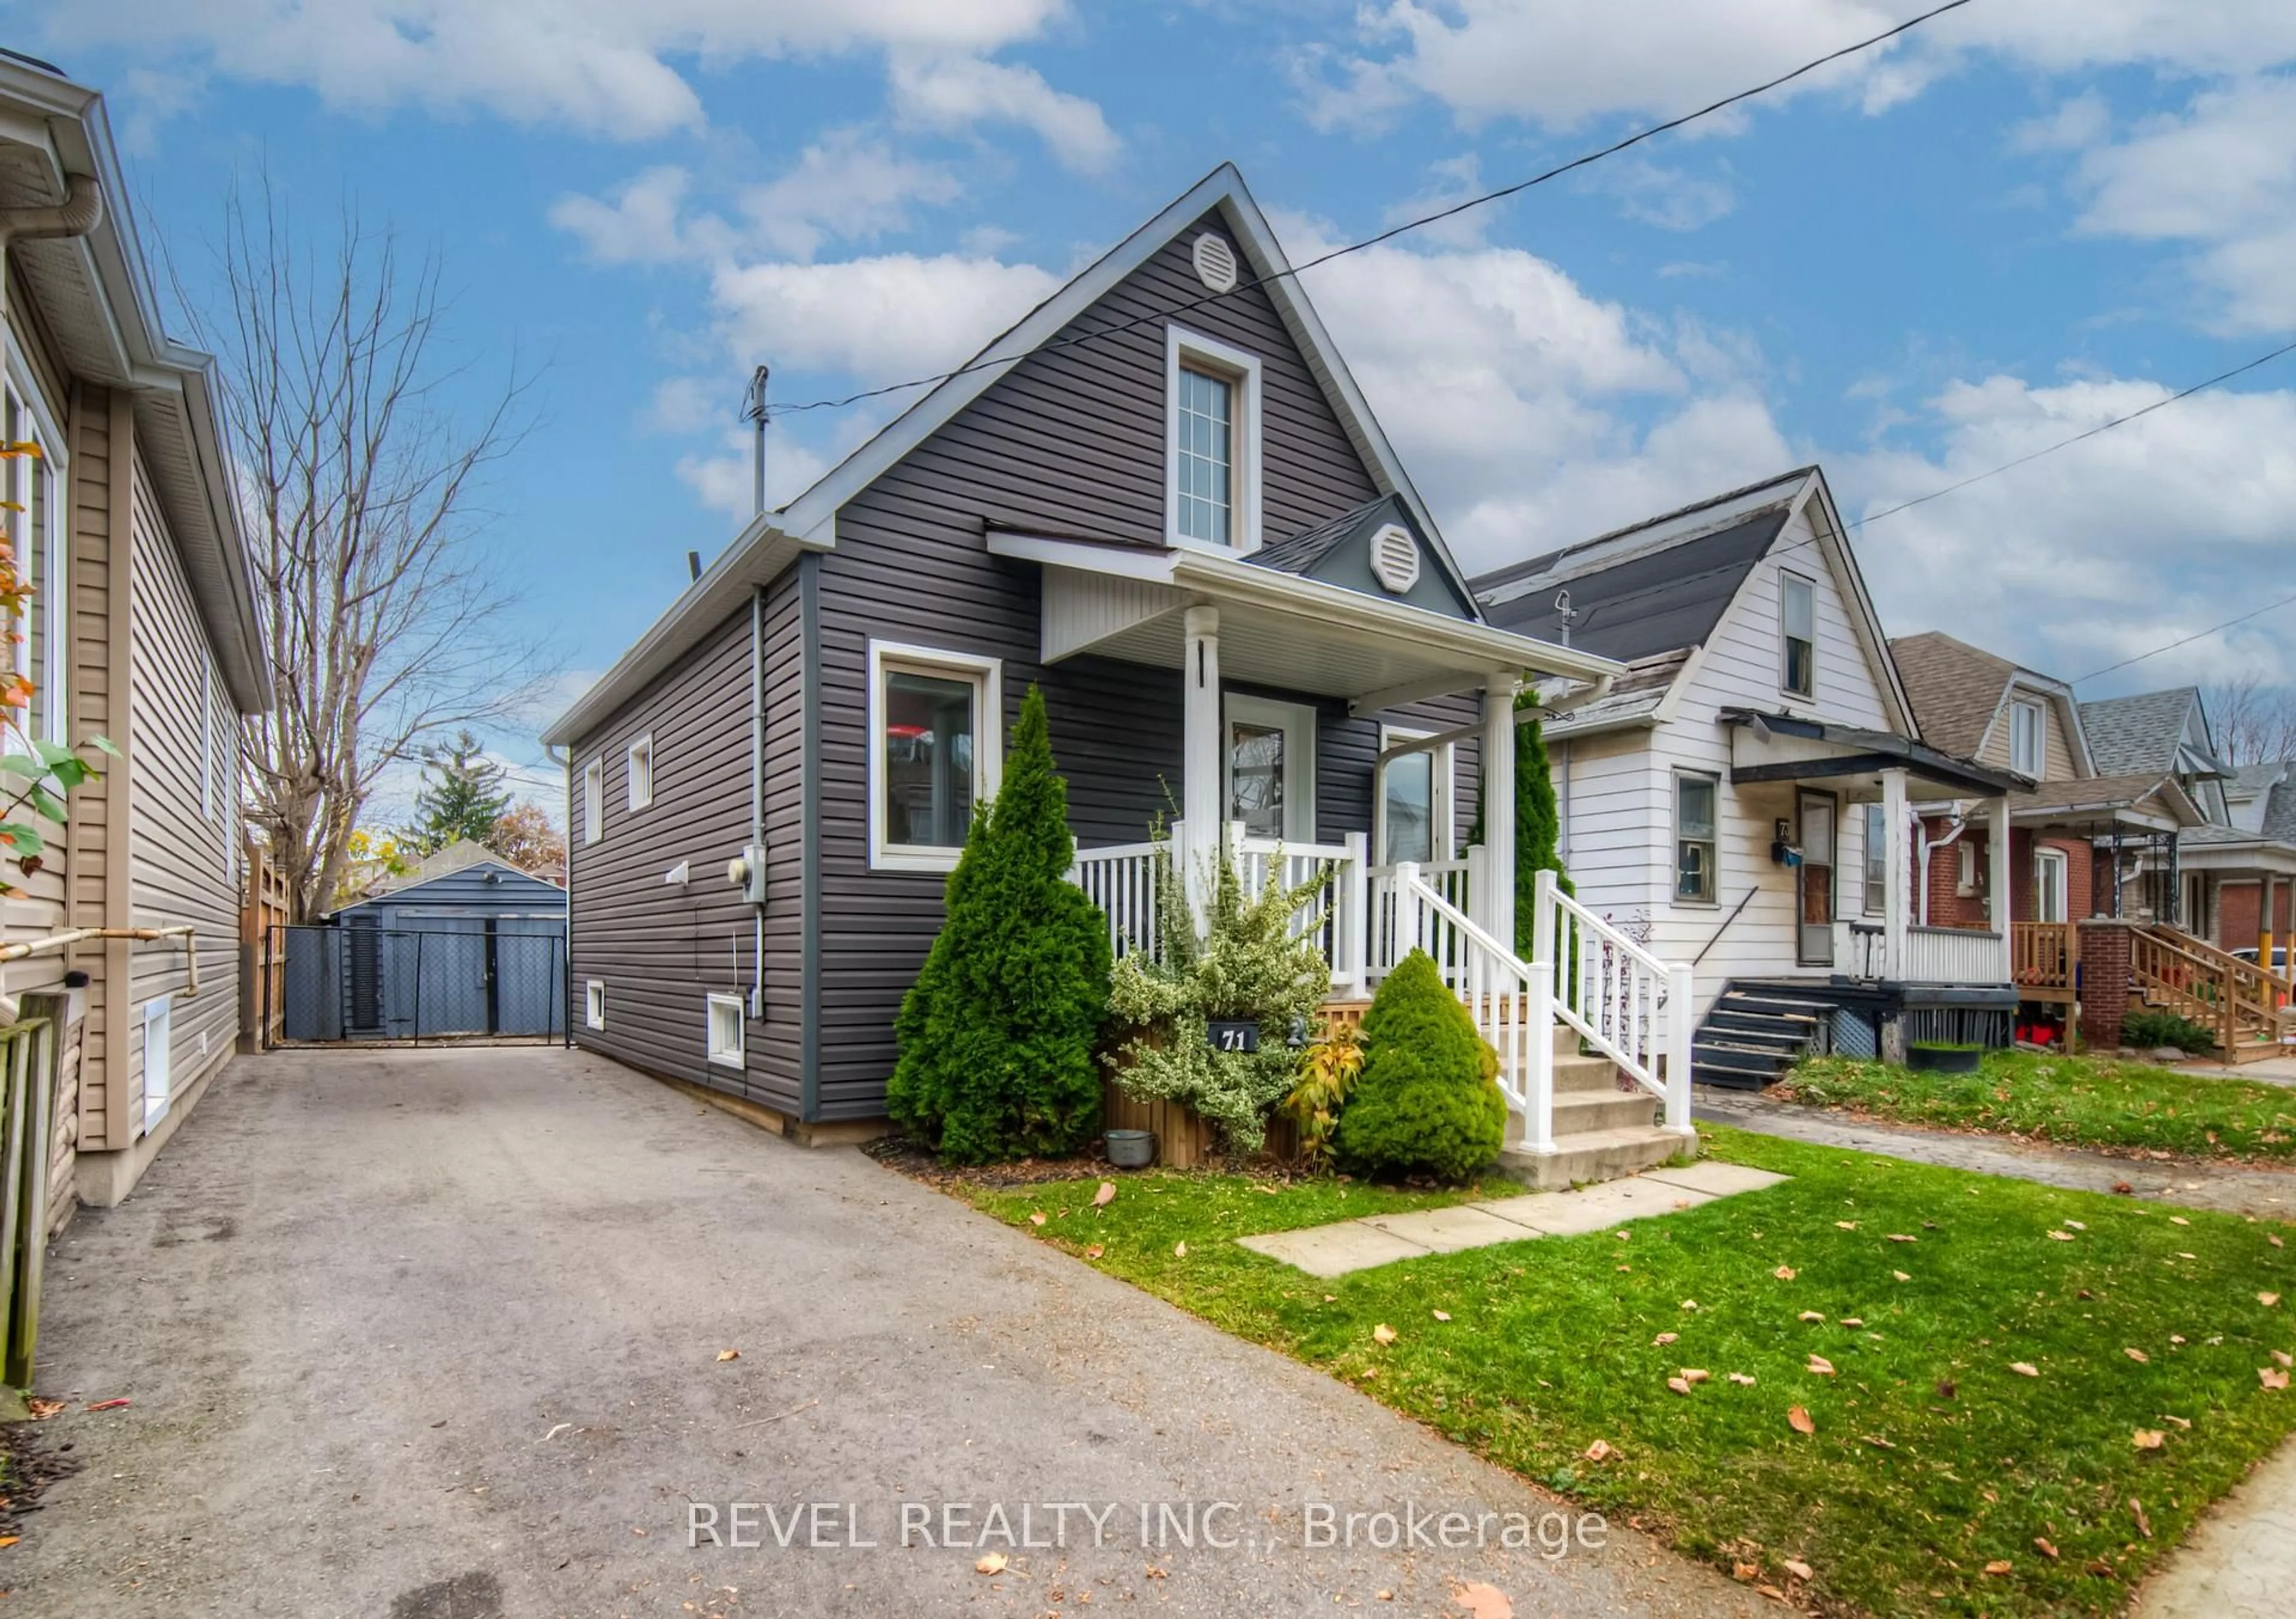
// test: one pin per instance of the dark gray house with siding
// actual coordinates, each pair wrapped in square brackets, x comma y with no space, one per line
[1164,501]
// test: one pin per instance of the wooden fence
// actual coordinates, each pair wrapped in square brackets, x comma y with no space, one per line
[262,966]
[27,1069]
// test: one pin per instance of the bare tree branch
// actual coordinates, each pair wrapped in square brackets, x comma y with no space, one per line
[386,616]
[2251,722]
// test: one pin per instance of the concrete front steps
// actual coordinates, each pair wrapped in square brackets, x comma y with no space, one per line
[1601,1131]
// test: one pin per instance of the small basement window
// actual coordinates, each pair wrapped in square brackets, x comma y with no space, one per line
[1694,806]
[593,799]
[725,1022]
[641,761]
[594,1003]
[1797,622]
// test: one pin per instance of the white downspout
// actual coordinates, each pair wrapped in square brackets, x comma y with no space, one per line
[1922,832]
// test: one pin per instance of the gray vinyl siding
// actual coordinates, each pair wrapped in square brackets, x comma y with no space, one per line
[1070,442]
[660,948]
[479,890]
[183,865]
[778,1057]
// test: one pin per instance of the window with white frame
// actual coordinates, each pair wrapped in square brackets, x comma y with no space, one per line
[725,1023]
[1414,809]
[2027,737]
[1798,629]
[2050,871]
[640,769]
[29,482]
[1212,409]
[1877,860]
[593,799]
[934,722]
[1696,804]
[594,1003]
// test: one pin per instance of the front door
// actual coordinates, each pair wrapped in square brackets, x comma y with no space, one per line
[1814,882]
[1271,768]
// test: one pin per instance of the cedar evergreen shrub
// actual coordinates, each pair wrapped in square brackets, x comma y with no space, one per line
[1427,1103]
[997,1034]
[1537,822]
[2152,1028]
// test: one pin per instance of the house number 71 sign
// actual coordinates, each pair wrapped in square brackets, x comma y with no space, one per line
[1234,1034]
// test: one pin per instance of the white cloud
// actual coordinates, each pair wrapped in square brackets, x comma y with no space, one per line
[2080,122]
[597,65]
[1668,198]
[876,319]
[1560,63]
[2222,177]
[2101,551]
[726,479]
[1520,402]
[848,186]
[957,91]
[644,220]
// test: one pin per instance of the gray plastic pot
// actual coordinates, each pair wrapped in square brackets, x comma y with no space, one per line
[1131,1148]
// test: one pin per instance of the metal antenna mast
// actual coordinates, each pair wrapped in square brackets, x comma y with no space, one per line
[753,410]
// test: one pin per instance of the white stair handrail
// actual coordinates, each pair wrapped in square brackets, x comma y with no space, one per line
[1624,1002]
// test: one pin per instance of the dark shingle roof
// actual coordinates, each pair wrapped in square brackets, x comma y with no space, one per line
[2128,735]
[1660,602]
[1955,689]
[1297,553]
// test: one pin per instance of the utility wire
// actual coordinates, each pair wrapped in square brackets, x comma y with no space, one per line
[1391,234]
[2186,640]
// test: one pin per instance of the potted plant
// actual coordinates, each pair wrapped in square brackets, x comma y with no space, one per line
[1943,1056]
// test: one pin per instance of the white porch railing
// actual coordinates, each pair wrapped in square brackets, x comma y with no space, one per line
[1953,955]
[1626,1003]
[1120,878]
[1632,1008]
[1861,950]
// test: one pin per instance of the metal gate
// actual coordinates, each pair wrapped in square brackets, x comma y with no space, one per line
[454,977]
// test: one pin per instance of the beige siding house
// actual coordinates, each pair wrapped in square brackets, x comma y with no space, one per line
[142,631]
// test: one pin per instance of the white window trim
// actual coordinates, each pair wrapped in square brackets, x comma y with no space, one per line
[159,1035]
[54,599]
[1442,800]
[735,1057]
[593,799]
[2064,866]
[1787,578]
[594,1003]
[1875,901]
[988,675]
[642,745]
[2040,714]
[1713,841]
[1180,347]
[207,740]
[1298,721]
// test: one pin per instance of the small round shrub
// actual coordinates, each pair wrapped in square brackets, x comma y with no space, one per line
[1427,1103]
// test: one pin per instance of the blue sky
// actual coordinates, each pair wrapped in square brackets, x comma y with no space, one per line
[2029,217]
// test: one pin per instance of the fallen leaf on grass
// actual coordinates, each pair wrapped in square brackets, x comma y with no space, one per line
[1999,1565]
[1901,1237]
[1811,1315]
[2272,1377]
[1798,1569]
[2268,1299]
[1846,1225]
[1383,1334]
[1600,1450]
[2139,1356]
[1746,1573]
[1681,1386]
[2143,1523]
[2024,1368]
[1877,1442]
[1784,1272]
[1692,1374]
[2181,1422]
[1771,1591]
[2061,1236]
[2284,1357]
[2075,1225]
[1799,1420]
[2149,1439]
[1690,1303]
[1819,1364]
[993,1564]
[729,1355]
[1179,1250]
[1440,1315]
[2123,1188]
[1105,1196]
[1038,1218]
[42,1410]
[1094,1251]
[1901,1276]
[2178,1220]
[1852,1321]
[2274,1241]
[1741,1379]
[1947,1387]
[1483,1601]
[2045,1550]
[1664,1337]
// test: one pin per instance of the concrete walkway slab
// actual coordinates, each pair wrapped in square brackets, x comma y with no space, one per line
[2240,1560]
[433,1333]
[1381,1240]
[1448,1231]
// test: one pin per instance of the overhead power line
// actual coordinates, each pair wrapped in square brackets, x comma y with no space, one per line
[2184,641]
[1389,234]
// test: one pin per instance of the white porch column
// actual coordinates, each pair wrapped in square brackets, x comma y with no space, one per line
[2004,909]
[1898,827]
[1497,901]
[1201,813]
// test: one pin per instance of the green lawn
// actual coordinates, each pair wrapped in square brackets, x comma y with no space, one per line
[1931,1457]
[2076,1101]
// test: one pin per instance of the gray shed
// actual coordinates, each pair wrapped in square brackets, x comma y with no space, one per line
[477,949]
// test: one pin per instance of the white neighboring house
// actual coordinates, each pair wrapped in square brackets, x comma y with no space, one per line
[1730,797]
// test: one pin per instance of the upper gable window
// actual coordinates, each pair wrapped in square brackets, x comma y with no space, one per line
[1798,626]
[2028,734]
[1212,443]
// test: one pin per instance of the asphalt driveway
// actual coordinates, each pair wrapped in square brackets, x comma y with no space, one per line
[435,1335]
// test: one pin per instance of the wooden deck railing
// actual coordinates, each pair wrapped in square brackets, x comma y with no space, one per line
[2245,1006]
[2045,960]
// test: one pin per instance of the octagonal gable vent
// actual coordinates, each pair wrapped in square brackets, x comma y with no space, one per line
[1215,261]
[1394,558]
